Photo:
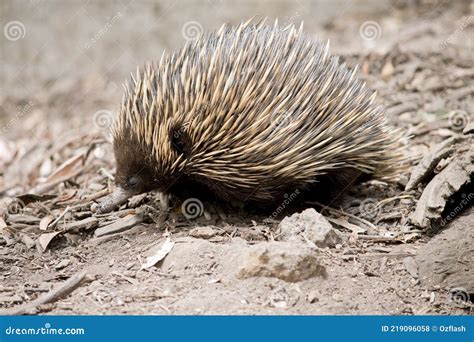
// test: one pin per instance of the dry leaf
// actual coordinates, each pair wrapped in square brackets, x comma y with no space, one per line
[387,71]
[66,195]
[160,254]
[30,198]
[7,153]
[3,224]
[45,239]
[45,221]
[214,281]
[66,169]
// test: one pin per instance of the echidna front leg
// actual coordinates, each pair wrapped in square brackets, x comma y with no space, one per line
[111,201]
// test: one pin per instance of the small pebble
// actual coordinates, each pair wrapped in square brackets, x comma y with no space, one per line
[337,297]
[312,297]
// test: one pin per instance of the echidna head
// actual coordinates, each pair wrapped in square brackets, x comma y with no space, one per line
[149,156]
[134,168]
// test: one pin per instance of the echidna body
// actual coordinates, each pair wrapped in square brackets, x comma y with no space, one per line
[250,112]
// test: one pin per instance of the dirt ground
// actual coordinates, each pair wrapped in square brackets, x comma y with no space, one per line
[391,251]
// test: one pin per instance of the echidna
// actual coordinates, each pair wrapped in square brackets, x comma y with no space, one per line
[250,113]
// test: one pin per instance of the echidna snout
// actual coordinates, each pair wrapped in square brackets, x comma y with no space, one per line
[250,113]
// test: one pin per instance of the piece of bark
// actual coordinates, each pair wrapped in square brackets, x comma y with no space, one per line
[23,218]
[426,166]
[120,225]
[85,224]
[433,199]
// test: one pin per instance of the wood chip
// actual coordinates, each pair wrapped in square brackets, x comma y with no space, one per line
[63,214]
[23,218]
[120,225]
[62,264]
[85,224]
[469,129]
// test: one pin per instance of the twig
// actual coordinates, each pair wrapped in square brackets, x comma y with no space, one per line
[106,174]
[340,212]
[45,208]
[52,296]
[343,223]
[97,195]
[378,238]
[55,222]
[386,200]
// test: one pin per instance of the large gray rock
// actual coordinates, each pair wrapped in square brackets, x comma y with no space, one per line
[289,261]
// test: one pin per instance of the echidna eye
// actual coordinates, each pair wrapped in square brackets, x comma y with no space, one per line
[133,182]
